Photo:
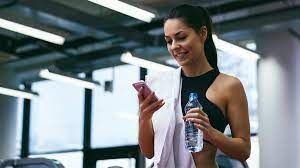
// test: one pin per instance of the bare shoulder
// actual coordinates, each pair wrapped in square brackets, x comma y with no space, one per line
[230,80]
[230,84]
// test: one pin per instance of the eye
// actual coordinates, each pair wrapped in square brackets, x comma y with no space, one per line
[180,38]
[168,41]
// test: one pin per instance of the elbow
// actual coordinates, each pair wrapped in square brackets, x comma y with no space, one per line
[149,155]
[245,154]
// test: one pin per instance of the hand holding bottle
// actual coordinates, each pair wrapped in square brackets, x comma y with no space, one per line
[200,121]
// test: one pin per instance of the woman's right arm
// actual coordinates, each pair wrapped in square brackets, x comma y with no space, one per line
[146,132]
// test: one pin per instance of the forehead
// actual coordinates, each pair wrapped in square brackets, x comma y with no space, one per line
[172,26]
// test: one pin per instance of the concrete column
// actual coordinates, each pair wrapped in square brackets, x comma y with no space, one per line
[297,101]
[279,119]
[8,117]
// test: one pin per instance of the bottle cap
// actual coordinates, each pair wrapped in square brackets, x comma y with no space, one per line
[193,96]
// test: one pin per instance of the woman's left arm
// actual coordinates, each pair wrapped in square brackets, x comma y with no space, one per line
[239,146]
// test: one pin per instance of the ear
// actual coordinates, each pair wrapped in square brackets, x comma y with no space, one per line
[203,33]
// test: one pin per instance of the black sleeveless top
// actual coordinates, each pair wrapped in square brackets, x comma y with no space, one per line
[200,85]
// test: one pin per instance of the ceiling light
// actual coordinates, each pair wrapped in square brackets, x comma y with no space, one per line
[251,46]
[234,49]
[126,9]
[129,59]
[45,73]
[29,31]
[17,93]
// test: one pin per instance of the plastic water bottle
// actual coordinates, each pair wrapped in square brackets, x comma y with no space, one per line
[193,135]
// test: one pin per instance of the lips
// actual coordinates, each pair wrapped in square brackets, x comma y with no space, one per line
[180,55]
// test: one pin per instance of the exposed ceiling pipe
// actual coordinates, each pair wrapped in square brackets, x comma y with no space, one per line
[294,33]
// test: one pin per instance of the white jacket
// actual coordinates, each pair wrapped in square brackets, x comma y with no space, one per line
[167,86]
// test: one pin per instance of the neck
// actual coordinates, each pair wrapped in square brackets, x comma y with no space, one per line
[197,69]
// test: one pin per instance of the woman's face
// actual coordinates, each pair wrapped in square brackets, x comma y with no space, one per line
[183,43]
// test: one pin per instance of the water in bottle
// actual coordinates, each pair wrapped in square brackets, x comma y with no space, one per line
[193,135]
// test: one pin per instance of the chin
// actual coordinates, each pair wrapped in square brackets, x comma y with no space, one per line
[183,63]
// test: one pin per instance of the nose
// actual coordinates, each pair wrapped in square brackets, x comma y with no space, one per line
[174,45]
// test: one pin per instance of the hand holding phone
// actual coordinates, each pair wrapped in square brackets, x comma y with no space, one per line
[146,89]
[147,105]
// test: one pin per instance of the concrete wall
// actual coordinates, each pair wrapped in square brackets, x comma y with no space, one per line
[278,77]
[297,101]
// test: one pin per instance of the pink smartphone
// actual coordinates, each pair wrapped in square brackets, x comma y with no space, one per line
[146,89]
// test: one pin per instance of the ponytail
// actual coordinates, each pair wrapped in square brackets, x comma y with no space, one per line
[211,52]
[209,45]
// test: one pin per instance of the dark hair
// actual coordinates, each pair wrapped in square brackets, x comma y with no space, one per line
[196,17]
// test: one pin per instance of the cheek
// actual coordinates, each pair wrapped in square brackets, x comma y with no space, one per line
[187,45]
[169,49]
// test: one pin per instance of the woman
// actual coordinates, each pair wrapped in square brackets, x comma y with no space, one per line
[188,34]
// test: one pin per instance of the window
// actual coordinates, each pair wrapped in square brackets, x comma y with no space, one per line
[246,70]
[56,117]
[115,114]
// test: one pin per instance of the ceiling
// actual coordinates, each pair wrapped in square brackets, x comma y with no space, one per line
[96,36]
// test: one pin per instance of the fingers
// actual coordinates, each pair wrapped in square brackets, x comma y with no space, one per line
[146,102]
[140,95]
[148,105]
[201,127]
[197,121]
[201,121]
[148,112]
[198,117]
[196,110]
[153,107]
[196,113]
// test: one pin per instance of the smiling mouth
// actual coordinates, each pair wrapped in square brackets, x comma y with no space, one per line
[180,56]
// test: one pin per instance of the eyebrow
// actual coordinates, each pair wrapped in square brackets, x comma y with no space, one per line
[176,33]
